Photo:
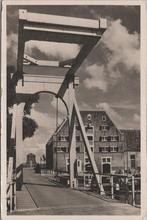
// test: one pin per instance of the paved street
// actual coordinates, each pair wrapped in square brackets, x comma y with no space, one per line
[41,196]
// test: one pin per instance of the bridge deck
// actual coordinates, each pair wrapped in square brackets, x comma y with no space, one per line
[39,196]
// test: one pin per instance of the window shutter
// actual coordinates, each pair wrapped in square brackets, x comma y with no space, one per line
[100,139]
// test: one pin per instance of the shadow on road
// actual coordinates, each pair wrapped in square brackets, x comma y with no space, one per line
[40,184]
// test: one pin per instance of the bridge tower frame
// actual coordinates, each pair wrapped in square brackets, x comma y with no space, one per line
[41,27]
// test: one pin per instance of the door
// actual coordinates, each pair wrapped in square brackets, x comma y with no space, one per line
[106,168]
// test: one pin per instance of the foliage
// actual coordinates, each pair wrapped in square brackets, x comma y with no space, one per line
[29,127]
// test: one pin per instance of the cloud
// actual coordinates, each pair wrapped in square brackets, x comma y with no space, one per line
[121,49]
[61,106]
[61,50]
[43,119]
[46,127]
[37,143]
[126,105]
[136,117]
[123,45]
[84,106]
[97,78]
[115,117]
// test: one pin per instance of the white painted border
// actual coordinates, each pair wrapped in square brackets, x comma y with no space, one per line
[143,103]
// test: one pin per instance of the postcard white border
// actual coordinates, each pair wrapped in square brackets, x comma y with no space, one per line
[143,99]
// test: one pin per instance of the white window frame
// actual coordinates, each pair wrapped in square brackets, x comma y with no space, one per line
[91,142]
[91,126]
[105,151]
[113,148]
[103,138]
[114,138]
[104,127]
[63,137]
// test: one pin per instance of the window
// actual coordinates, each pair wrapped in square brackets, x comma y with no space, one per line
[59,149]
[106,159]
[114,138]
[86,160]
[77,127]
[113,149]
[103,138]
[104,149]
[63,149]
[92,149]
[89,117]
[132,158]
[78,149]
[104,127]
[89,129]
[103,117]
[90,138]
[77,138]
[63,138]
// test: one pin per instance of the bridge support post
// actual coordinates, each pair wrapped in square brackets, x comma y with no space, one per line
[19,142]
[72,135]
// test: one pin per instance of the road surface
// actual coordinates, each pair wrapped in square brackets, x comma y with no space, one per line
[45,197]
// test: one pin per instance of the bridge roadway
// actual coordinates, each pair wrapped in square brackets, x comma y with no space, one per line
[41,196]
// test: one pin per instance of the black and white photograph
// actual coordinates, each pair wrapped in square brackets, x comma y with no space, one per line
[73,105]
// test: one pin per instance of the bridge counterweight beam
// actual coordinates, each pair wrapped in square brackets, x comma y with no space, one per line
[88,149]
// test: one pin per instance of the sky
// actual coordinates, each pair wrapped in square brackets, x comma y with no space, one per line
[109,76]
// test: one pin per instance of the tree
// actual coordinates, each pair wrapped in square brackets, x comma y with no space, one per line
[29,127]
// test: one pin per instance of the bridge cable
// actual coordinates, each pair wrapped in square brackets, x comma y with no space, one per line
[56,135]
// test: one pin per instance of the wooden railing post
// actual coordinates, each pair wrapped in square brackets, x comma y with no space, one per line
[112,187]
[133,190]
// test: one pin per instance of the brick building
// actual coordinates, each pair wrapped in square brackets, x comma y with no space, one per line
[114,150]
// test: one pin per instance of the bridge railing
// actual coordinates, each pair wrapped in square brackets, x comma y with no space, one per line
[11,187]
[126,188]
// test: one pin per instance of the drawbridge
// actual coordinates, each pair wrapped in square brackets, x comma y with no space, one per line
[34,76]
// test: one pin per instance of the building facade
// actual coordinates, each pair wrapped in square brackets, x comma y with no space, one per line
[31,160]
[114,150]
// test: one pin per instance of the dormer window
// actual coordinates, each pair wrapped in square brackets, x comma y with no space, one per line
[103,117]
